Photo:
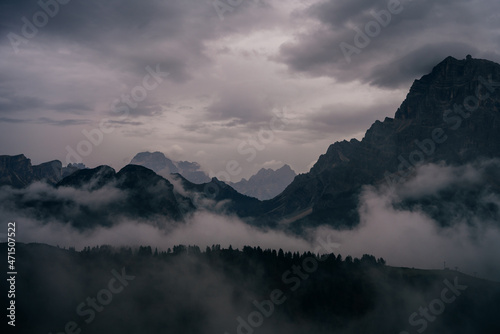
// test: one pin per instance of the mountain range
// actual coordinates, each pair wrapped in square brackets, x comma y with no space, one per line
[433,172]
[266,184]
[450,117]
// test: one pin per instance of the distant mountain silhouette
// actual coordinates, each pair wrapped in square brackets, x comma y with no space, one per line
[103,197]
[18,172]
[71,168]
[266,184]
[162,165]
[146,194]
[222,197]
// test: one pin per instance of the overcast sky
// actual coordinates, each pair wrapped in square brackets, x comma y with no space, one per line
[231,70]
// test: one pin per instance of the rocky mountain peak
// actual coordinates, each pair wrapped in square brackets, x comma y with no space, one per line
[160,164]
[449,83]
[18,172]
[155,161]
[460,99]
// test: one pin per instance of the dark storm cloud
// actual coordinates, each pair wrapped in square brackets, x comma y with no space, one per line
[122,38]
[13,120]
[45,120]
[71,107]
[115,123]
[121,28]
[132,34]
[10,103]
[64,122]
[424,32]
[145,108]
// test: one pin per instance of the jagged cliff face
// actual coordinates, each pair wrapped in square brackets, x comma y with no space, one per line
[450,115]
[17,171]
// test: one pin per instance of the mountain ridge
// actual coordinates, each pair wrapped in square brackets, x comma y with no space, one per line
[329,192]
[18,172]
[266,183]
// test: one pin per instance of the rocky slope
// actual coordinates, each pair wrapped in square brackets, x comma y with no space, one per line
[217,196]
[18,172]
[266,184]
[142,195]
[97,197]
[451,115]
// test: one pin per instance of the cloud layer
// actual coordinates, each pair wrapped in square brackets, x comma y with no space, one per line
[415,224]
[415,236]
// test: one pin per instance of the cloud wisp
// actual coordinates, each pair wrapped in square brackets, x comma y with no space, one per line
[418,224]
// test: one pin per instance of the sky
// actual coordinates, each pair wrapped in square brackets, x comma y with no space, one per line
[234,85]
